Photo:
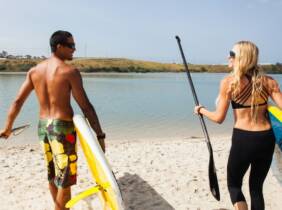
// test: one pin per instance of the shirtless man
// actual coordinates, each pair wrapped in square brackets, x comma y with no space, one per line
[54,82]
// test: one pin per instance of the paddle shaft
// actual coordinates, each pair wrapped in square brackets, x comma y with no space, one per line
[14,130]
[193,90]
[212,171]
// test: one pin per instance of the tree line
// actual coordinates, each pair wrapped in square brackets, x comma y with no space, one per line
[5,55]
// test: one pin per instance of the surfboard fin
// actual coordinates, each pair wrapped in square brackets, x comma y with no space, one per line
[87,193]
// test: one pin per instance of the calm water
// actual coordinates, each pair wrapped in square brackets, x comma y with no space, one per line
[133,106]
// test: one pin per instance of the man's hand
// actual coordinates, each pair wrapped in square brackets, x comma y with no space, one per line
[101,138]
[5,133]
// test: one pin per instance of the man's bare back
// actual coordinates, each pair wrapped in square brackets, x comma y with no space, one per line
[51,82]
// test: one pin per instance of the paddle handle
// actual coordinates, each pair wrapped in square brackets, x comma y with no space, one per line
[187,71]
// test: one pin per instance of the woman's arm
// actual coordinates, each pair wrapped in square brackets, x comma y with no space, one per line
[222,105]
[275,92]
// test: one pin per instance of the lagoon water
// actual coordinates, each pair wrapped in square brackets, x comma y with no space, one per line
[133,106]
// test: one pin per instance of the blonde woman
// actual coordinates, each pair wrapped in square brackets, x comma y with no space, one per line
[253,140]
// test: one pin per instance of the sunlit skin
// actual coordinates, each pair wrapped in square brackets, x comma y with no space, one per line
[54,82]
[242,117]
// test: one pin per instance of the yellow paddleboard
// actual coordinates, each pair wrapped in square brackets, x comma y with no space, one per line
[107,187]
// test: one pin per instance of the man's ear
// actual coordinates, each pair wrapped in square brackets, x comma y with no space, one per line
[58,46]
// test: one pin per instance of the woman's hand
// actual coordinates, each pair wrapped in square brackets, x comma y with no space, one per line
[197,109]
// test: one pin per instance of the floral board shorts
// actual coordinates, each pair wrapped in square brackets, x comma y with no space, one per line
[58,141]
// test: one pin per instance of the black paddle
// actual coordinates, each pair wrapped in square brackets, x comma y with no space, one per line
[16,131]
[212,171]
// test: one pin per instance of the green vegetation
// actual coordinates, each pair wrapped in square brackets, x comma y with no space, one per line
[125,65]
[17,65]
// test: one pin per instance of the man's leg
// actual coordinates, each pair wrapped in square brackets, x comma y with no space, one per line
[63,196]
[53,190]
[48,156]
[63,146]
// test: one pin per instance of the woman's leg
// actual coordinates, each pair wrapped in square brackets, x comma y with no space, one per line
[236,170]
[258,174]
[241,205]
[259,168]
[238,164]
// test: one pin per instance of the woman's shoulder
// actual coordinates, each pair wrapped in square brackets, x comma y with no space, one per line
[226,84]
[267,80]
[270,83]
[227,80]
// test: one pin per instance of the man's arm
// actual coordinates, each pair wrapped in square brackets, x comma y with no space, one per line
[87,108]
[16,106]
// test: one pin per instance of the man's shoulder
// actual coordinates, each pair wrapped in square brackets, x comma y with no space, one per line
[62,68]
[43,63]
[72,70]
[38,66]
[34,69]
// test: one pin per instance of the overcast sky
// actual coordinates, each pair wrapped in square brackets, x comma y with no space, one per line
[144,29]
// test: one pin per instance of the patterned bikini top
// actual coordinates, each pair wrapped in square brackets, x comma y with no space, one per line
[239,101]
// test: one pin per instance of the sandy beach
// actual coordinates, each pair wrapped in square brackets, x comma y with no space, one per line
[157,174]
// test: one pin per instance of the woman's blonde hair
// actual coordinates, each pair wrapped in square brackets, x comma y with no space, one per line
[246,64]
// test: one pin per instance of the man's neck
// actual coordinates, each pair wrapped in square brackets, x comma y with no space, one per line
[57,57]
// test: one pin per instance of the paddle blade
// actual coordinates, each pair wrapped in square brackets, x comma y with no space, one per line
[18,130]
[213,179]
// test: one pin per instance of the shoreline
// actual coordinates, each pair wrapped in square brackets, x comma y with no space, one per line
[113,73]
[24,139]
[101,73]
[153,175]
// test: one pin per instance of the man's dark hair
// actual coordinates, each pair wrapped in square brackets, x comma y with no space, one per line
[59,37]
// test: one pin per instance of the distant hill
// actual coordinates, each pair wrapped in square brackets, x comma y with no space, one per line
[92,65]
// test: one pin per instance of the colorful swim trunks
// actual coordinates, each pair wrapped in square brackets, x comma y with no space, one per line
[58,140]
